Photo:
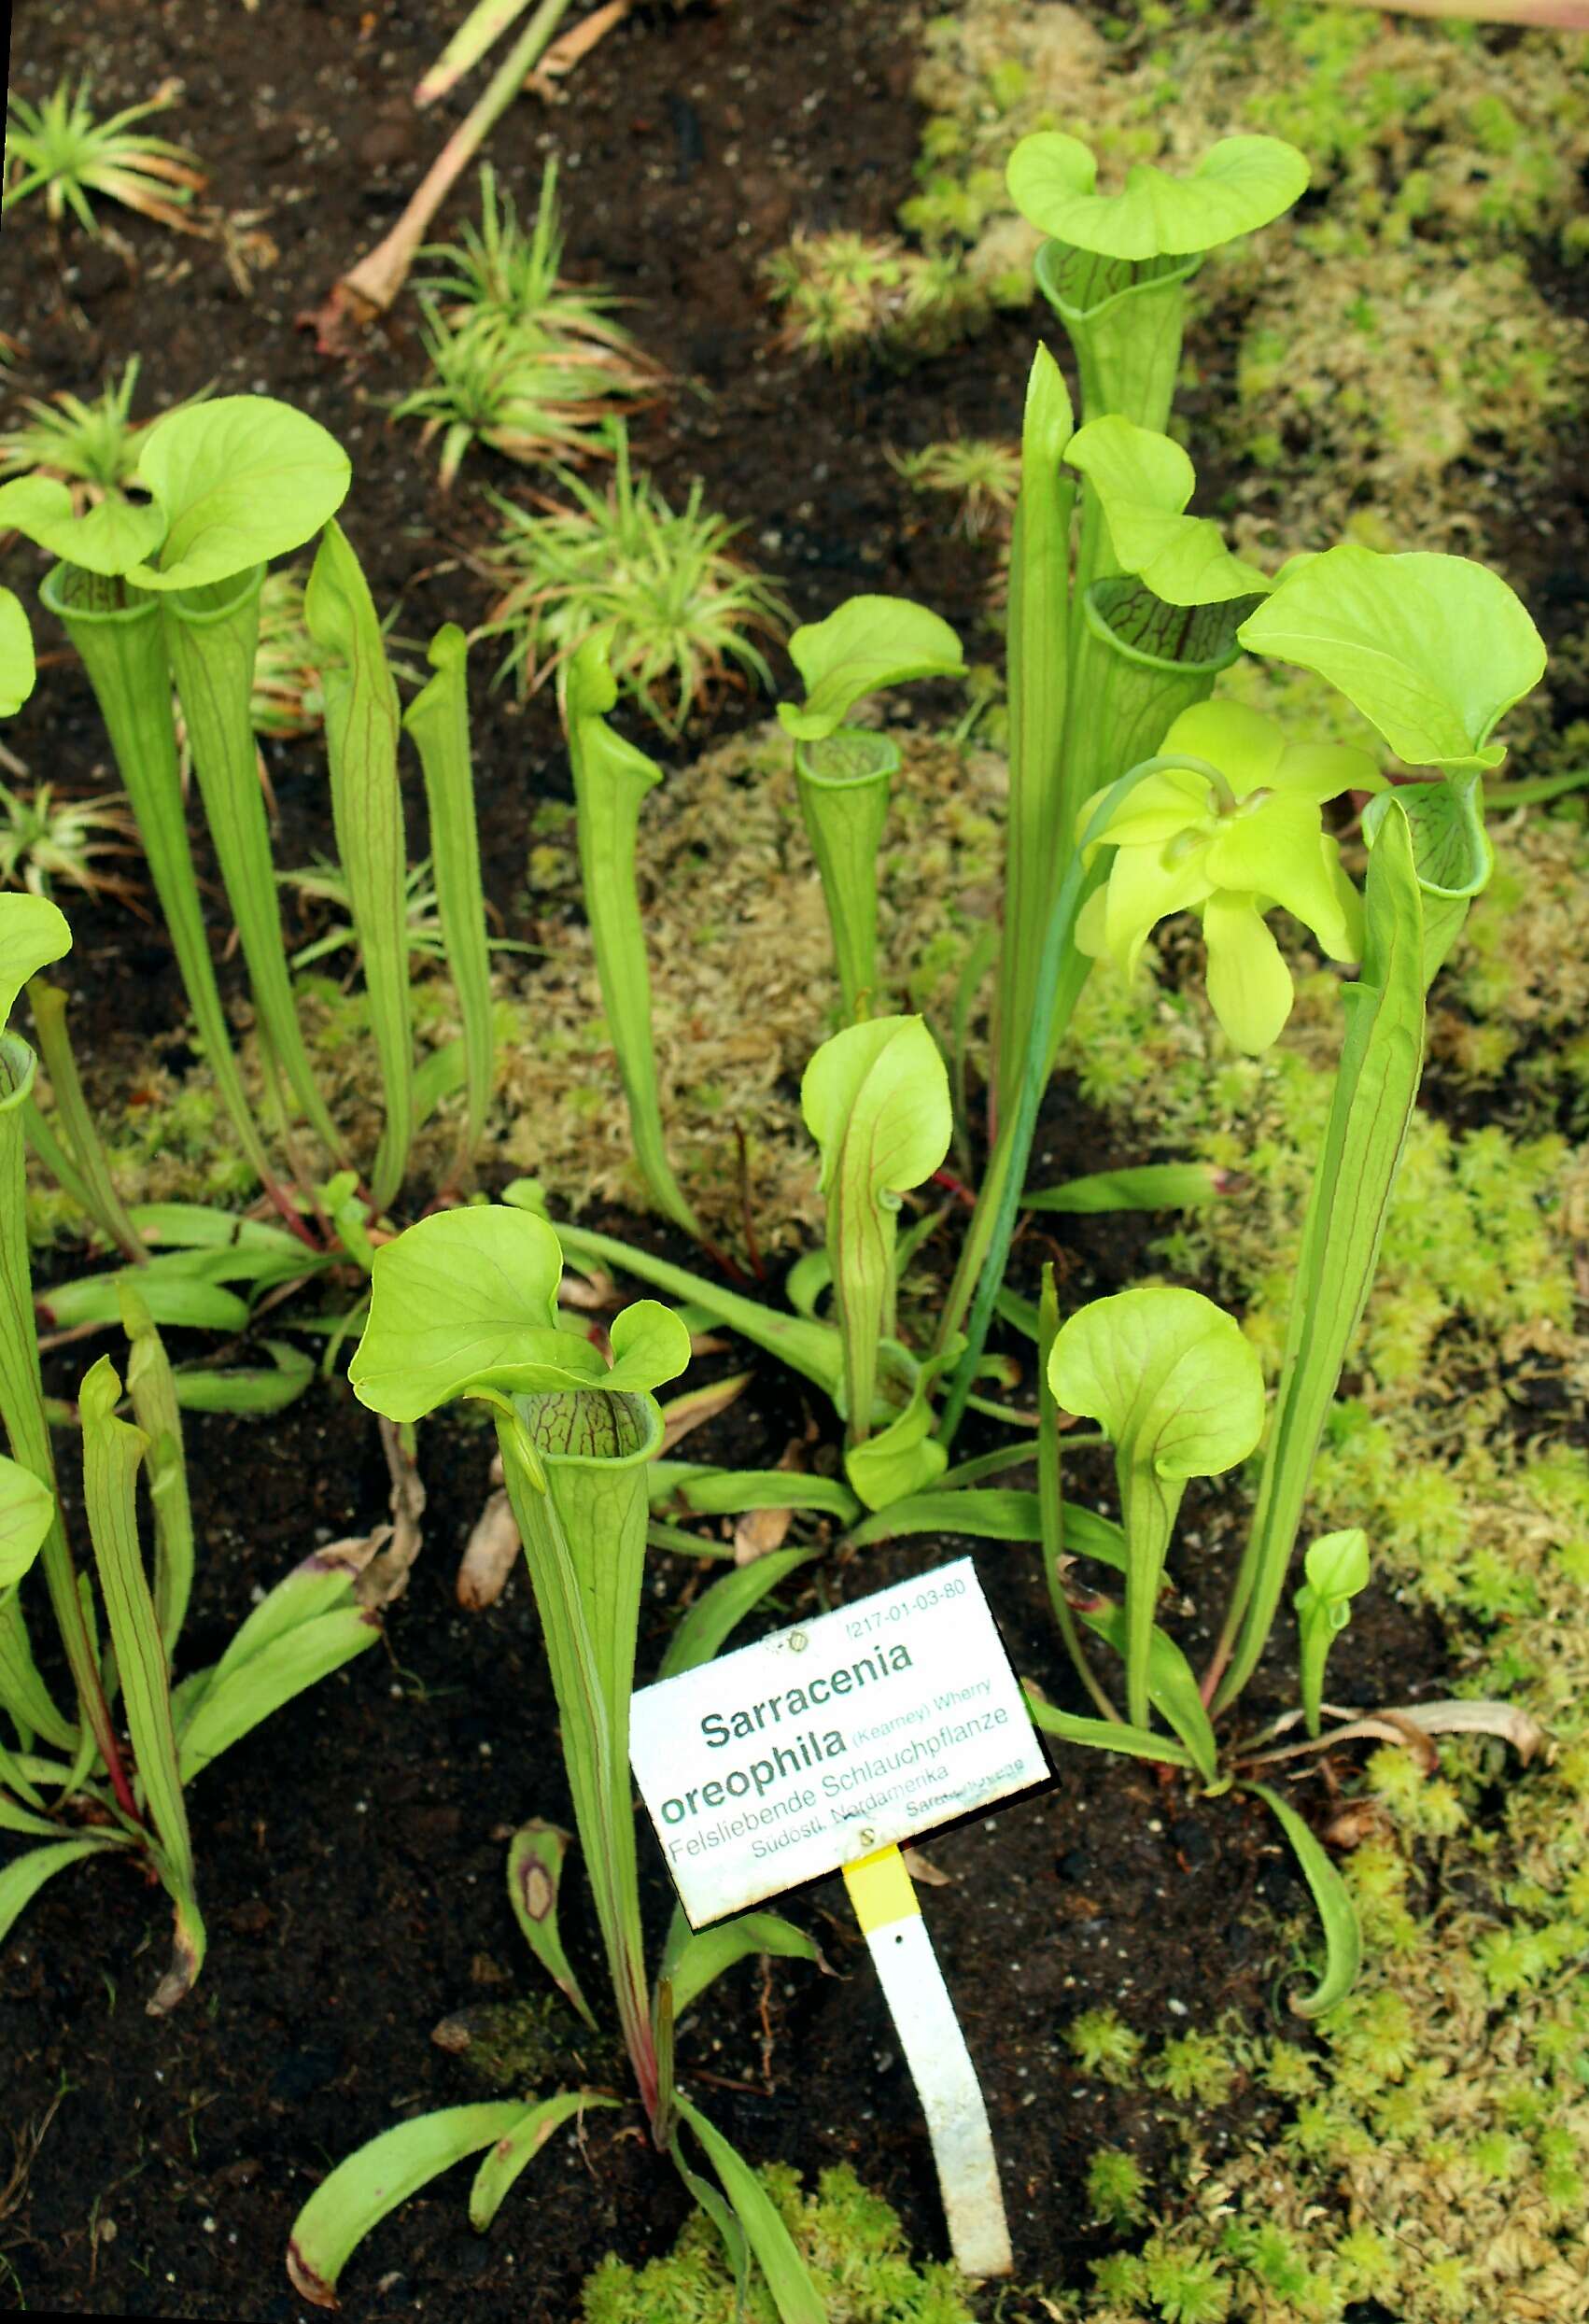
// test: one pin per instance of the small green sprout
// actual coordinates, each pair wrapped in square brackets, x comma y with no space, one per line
[522,361]
[92,447]
[1116,2187]
[510,280]
[1103,2044]
[980,471]
[680,608]
[58,149]
[45,837]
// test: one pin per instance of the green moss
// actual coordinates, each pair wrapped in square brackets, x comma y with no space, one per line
[850,2240]
[1103,2044]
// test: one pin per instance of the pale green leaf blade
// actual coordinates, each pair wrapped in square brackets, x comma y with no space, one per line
[238,481]
[252,1392]
[231,1707]
[1343,1942]
[536,1855]
[1433,649]
[358,2195]
[867,643]
[27,1507]
[32,933]
[112,536]
[455,1301]
[17,669]
[648,1346]
[25,1876]
[1151,1186]
[696,1958]
[112,1453]
[362,725]
[730,1492]
[518,2148]
[1240,183]
[794,2295]
[1143,481]
[1105,1734]
[185,1301]
[1168,1376]
[718,1610]
[1172,1684]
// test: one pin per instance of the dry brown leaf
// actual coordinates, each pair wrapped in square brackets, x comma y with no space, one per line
[489,1555]
[394,1547]
[759,1533]
[698,1405]
[921,1867]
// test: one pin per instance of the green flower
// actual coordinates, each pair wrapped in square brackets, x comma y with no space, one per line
[1229,836]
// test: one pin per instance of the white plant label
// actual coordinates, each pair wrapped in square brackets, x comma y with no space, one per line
[825,1741]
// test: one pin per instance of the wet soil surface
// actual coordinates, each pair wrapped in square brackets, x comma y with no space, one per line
[351,1851]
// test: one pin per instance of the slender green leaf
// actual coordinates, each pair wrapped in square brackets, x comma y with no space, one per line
[231,1707]
[361,740]
[1152,1185]
[437,719]
[212,639]
[75,1121]
[238,479]
[536,1856]
[252,1392]
[1037,844]
[694,1959]
[1107,1734]
[1376,1087]
[519,2147]
[123,652]
[185,1301]
[25,1876]
[358,2195]
[703,1626]
[1343,1942]
[730,1492]
[198,1226]
[153,1388]
[794,2295]
[112,1455]
[1171,1687]
[611,779]
[868,644]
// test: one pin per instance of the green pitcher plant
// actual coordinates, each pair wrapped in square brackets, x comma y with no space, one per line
[107,1770]
[158,587]
[1136,792]
[464,1306]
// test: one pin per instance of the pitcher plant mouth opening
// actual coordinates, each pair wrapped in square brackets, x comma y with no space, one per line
[587,1425]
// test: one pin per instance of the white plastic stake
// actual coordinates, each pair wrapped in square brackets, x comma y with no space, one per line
[929,2032]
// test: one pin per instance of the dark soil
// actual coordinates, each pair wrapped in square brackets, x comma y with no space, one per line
[351,1851]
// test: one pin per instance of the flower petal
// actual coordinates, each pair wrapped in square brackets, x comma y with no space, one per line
[1322,770]
[1250,985]
[1246,747]
[1144,890]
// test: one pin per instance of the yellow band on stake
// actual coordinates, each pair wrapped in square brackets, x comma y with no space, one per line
[880,1890]
[934,2050]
